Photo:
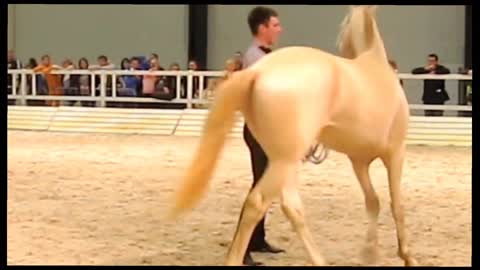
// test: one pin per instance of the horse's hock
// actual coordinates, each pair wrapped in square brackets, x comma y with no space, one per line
[455,131]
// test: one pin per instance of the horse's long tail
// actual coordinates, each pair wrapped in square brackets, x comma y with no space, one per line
[231,96]
[359,33]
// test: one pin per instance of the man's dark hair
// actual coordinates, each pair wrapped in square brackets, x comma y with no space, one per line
[258,16]
[154,55]
[135,59]
[45,56]
[433,55]
[102,57]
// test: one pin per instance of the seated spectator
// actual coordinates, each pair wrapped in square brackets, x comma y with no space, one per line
[150,81]
[103,64]
[433,90]
[193,65]
[53,80]
[83,82]
[13,63]
[169,89]
[155,57]
[40,83]
[131,85]
[125,64]
[238,60]
[68,87]
[208,94]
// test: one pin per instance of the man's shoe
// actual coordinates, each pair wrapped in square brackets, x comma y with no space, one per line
[266,248]
[248,260]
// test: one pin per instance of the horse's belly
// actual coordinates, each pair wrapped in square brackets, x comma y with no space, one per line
[353,141]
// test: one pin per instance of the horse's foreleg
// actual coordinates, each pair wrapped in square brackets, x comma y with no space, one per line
[293,208]
[360,167]
[256,205]
[394,164]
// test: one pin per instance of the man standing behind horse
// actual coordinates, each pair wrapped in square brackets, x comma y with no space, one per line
[265,27]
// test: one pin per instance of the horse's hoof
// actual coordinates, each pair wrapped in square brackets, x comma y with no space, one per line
[318,262]
[411,262]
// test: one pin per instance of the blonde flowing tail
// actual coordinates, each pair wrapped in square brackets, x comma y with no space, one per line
[231,96]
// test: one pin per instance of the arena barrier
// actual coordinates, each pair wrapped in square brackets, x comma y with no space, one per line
[455,131]
[189,122]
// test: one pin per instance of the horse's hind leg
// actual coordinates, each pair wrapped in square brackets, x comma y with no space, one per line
[372,203]
[257,204]
[394,164]
[293,208]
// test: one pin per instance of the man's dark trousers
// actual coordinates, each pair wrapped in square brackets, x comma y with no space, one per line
[259,162]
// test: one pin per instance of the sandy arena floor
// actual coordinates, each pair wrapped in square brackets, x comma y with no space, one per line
[100,199]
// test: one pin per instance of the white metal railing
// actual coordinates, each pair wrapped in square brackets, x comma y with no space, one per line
[102,98]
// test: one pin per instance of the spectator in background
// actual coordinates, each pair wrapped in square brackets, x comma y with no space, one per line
[171,83]
[41,85]
[31,64]
[103,64]
[53,81]
[83,82]
[125,64]
[150,81]
[131,85]
[209,93]
[238,56]
[155,57]
[13,63]
[433,90]
[193,65]
[68,88]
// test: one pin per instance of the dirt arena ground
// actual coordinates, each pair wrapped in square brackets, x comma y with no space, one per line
[100,199]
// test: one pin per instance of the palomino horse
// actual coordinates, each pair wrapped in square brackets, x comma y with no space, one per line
[297,97]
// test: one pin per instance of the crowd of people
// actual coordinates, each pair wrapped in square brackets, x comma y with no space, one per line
[165,87]
[160,87]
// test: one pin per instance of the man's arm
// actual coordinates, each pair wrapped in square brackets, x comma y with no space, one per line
[420,70]
[442,70]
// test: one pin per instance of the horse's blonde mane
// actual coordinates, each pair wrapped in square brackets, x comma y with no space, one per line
[359,33]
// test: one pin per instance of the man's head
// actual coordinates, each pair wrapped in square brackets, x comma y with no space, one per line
[135,63]
[11,55]
[192,65]
[67,62]
[264,24]
[432,59]
[46,60]
[174,66]
[102,60]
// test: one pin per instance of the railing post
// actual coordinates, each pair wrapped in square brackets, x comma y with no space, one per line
[178,86]
[189,89]
[14,84]
[23,84]
[103,92]
[34,84]
[114,85]
[200,84]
